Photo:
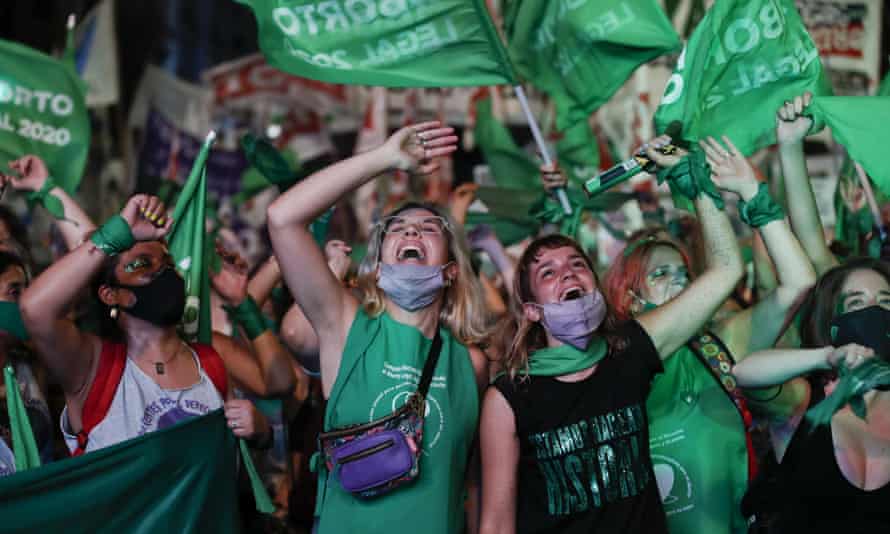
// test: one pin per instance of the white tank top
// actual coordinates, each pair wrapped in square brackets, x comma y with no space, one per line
[141,406]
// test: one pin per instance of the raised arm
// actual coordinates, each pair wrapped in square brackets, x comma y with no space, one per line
[758,327]
[75,225]
[263,365]
[328,306]
[672,324]
[70,354]
[791,129]
[264,281]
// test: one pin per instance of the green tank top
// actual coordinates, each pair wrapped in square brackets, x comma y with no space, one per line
[697,444]
[381,367]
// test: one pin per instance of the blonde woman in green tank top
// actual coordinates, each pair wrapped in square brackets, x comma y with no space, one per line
[416,279]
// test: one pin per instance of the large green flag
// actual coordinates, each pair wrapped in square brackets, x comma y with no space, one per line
[860,124]
[180,479]
[743,61]
[43,112]
[509,165]
[389,43]
[189,247]
[581,51]
[578,153]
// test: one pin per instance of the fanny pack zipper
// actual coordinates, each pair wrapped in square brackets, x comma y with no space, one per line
[367,452]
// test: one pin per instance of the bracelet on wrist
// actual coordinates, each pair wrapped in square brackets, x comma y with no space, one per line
[761,209]
[114,236]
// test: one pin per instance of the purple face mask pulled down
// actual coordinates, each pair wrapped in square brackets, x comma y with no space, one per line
[574,321]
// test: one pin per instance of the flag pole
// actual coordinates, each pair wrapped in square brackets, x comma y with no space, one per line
[870,197]
[539,140]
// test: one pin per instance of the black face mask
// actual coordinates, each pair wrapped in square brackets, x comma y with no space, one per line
[161,301]
[869,327]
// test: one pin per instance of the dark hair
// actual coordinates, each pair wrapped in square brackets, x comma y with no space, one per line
[107,327]
[821,304]
[529,335]
[8,260]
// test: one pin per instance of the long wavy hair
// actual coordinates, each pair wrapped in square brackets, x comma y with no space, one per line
[531,335]
[463,310]
[628,272]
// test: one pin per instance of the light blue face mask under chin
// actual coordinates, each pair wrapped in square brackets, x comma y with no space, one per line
[411,287]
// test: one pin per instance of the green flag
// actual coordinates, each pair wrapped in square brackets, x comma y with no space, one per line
[510,167]
[388,43]
[860,124]
[578,153]
[743,61]
[43,112]
[189,247]
[180,479]
[581,51]
[23,444]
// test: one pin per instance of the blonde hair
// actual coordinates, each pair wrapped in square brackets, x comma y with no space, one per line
[463,310]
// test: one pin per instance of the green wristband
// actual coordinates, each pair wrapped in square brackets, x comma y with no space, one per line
[248,315]
[761,209]
[52,204]
[691,177]
[114,236]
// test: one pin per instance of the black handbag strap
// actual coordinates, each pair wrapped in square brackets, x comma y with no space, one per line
[432,358]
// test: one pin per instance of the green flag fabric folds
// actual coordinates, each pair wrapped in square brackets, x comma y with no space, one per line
[578,153]
[508,164]
[180,479]
[743,61]
[189,246]
[388,43]
[43,112]
[23,444]
[860,124]
[581,51]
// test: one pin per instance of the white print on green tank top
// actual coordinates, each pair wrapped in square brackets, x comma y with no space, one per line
[593,462]
[395,396]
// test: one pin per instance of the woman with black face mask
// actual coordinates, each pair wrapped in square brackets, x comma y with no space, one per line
[145,378]
[834,477]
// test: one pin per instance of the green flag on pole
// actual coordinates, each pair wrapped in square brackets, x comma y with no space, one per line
[509,165]
[581,51]
[189,246]
[179,479]
[860,124]
[43,112]
[400,43]
[743,61]
[578,153]
[23,444]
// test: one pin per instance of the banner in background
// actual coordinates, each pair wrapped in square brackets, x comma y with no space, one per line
[95,55]
[848,35]
[439,43]
[42,112]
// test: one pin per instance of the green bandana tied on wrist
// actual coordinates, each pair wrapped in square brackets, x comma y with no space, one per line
[852,386]
[565,359]
[52,204]
[248,315]
[691,177]
[761,209]
[114,236]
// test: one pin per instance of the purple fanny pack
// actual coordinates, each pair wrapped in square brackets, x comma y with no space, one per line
[374,458]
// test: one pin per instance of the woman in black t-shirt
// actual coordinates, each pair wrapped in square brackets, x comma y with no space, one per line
[565,446]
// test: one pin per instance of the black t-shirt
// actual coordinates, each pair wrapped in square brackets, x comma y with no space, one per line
[584,462]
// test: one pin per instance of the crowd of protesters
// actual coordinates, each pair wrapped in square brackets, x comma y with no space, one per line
[559,396]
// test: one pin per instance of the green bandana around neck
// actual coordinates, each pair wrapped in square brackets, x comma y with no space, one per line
[565,359]
[11,320]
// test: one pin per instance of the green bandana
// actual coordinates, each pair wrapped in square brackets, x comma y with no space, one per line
[52,204]
[23,444]
[761,209]
[690,178]
[851,387]
[565,359]
[11,320]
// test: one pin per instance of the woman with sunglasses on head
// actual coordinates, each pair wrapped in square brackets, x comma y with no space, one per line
[832,477]
[417,287]
[699,422]
[564,437]
[138,376]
